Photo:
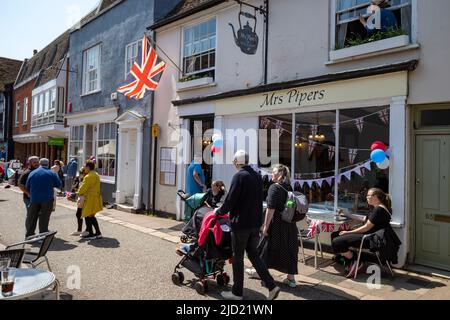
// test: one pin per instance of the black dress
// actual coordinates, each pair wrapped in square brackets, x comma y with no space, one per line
[280,249]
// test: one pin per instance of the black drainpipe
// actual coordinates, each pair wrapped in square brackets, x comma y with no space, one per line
[152,175]
[266,45]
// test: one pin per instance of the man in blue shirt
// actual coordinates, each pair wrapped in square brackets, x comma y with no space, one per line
[40,184]
[195,179]
[72,169]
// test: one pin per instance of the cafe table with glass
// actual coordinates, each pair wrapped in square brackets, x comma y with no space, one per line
[28,282]
[320,216]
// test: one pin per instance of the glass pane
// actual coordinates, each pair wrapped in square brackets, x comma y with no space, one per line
[204,61]
[197,64]
[212,59]
[435,117]
[196,33]
[205,45]
[203,30]
[314,159]
[212,27]
[359,128]
[212,42]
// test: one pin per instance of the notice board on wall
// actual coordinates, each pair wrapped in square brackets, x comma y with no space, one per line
[167,167]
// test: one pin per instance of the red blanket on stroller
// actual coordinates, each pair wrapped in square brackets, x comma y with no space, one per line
[206,227]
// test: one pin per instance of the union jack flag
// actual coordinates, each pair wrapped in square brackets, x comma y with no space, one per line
[145,73]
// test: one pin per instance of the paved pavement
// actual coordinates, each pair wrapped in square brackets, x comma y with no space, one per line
[134,260]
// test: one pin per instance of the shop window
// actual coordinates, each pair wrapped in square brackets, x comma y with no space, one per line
[358,129]
[76,143]
[332,174]
[314,157]
[199,50]
[106,149]
[350,31]
[275,143]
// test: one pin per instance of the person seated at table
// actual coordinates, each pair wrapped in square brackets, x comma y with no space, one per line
[379,218]
[215,195]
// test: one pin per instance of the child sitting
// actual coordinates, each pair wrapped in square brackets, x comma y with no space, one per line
[215,195]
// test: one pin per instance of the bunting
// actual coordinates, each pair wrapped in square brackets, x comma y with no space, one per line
[311,147]
[352,155]
[359,124]
[265,123]
[314,130]
[384,116]
[331,152]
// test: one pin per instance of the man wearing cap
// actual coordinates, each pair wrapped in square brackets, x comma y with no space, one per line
[40,184]
[244,203]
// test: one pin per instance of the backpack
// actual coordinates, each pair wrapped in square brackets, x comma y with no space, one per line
[296,206]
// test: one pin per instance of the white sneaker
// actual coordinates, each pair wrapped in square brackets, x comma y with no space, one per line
[84,234]
[228,295]
[273,294]
[76,233]
[252,273]
[290,283]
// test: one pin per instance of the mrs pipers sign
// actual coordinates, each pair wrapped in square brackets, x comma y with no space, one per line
[293,97]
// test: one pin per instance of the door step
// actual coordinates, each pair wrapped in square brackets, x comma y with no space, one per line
[428,271]
[125,208]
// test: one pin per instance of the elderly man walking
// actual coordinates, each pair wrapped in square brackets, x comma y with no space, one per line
[244,203]
[40,184]
[33,164]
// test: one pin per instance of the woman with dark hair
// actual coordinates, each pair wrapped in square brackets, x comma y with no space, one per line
[279,248]
[379,218]
[93,203]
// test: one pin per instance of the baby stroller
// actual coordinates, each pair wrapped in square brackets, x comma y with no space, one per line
[192,203]
[208,259]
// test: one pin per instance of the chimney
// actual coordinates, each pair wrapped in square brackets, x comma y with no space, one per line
[34,52]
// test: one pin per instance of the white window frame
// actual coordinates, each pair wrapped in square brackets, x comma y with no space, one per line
[129,61]
[86,81]
[182,55]
[97,140]
[374,47]
[25,111]
[16,120]
[71,141]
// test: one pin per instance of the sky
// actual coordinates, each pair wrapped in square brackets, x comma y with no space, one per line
[26,25]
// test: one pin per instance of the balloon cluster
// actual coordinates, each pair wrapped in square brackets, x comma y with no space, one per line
[217,143]
[378,155]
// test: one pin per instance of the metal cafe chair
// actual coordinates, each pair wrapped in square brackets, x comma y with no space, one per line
[15,255]
[36,257]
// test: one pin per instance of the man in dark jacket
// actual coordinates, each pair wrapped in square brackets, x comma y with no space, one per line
[244,203]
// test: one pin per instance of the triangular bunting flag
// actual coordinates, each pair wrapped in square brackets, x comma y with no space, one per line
[357,170]
[265,123]
[359,124]
[310,183]
[331,151]
[329,180]
[348,175]
[384,116]
[367,166]
[352,155]
[314,130]
[339,178]
[311,147]
[320,182]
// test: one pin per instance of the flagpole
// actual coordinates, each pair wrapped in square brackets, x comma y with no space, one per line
[156,45]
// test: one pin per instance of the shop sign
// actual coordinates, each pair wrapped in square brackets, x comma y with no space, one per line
[56,142]
[361,89]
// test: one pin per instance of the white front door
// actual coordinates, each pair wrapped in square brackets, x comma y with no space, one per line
[130,166]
